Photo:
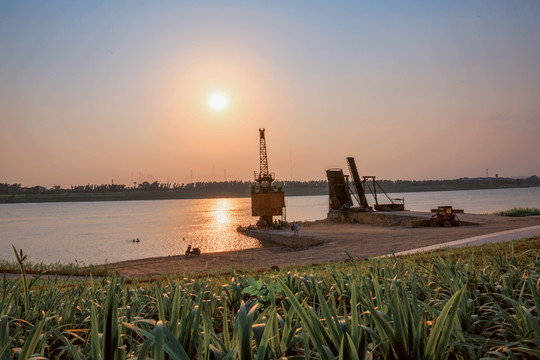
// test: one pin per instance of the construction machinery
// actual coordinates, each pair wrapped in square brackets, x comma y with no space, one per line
[362,201]
[444,216]
[339,191]
[396,204]
[266,200]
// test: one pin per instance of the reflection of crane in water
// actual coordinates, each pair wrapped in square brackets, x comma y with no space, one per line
[266,200]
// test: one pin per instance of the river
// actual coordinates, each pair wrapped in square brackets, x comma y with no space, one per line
[100,232]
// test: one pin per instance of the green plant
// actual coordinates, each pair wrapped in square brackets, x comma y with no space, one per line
[459,304]
[519,212]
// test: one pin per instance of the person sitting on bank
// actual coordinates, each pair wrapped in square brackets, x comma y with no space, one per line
[295,228]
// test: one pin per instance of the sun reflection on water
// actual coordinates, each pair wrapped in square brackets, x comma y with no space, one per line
[221,212]
[221,225]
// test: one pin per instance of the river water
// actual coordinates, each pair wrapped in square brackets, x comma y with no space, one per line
[101,232]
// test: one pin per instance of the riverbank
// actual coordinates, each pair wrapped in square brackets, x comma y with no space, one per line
[338,241]
[241,192]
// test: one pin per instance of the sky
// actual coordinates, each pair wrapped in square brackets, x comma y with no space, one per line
[99,92]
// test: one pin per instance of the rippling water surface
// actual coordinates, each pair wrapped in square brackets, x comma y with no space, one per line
[99,232]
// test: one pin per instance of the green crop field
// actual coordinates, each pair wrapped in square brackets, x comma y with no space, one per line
[473,303]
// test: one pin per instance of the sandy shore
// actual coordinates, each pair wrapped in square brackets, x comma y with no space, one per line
[359,240]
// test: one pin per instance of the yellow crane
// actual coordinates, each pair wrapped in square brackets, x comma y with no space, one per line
[266,200]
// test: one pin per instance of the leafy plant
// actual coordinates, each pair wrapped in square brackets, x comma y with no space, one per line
[466,304]
[519,212]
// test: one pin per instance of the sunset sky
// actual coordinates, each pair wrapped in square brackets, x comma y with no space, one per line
[94,91]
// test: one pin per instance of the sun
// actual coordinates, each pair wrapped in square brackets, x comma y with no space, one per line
[218,102]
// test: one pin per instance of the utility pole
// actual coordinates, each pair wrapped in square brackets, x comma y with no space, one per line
[291,163]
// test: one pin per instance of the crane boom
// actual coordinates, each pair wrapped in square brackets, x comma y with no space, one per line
[263,157]
[362,201]
[264,178]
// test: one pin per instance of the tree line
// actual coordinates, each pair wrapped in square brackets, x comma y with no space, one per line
[242,188]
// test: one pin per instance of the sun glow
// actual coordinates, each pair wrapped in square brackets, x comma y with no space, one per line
[218,102]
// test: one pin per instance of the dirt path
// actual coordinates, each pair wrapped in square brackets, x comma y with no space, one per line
[359,240]
[501,236]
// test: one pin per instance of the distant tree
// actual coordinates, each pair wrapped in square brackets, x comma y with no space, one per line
[6,188]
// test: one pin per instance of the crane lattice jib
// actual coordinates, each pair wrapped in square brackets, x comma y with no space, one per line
[264,178]
[264,157]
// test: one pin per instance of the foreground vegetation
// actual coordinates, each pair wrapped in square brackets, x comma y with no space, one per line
[71,269]
[519,212]
[454,304]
